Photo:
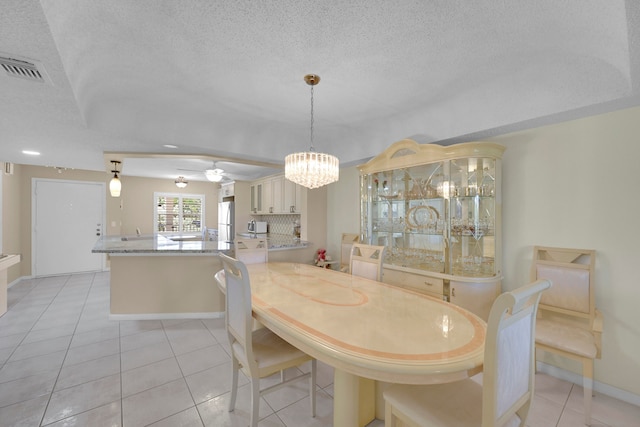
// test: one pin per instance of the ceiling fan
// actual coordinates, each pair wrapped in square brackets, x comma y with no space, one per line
[214,174]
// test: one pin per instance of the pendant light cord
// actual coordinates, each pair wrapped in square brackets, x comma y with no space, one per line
[311,130]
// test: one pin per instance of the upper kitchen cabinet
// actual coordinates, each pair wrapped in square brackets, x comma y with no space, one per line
[275,195]
[226,190]
[256,190]
[291,197]
[438,211]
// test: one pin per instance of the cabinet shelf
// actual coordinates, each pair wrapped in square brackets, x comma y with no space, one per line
[411,199]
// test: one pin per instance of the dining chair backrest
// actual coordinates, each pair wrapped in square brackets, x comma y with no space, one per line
[509,358]
[252,251]
[348,239]
[238,318]
[571,271]
[366,261]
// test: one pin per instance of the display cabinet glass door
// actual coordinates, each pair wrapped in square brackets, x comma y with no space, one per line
[437,217]
[405,210]
[472,217]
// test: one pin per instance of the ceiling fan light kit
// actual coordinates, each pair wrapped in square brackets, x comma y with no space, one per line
[214,175]
[311,169]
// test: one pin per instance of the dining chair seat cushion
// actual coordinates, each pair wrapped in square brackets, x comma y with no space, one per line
[272,353]
[453,404]
[566,336]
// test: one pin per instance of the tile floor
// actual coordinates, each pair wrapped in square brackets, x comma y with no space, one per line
[63,363]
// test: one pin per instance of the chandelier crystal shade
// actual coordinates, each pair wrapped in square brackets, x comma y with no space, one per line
[311,169]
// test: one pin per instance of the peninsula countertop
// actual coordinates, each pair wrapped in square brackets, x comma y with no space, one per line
[160,244]
[278,242]
[185,244]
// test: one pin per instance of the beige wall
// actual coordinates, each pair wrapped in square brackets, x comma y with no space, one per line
[133,209]
[343,206]
[573,184]
[313,221]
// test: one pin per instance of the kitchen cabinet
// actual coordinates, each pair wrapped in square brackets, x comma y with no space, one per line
[437,209]
[225,190]
[275,195]
[262,193]
[277,184]
[256,190]
[292,197]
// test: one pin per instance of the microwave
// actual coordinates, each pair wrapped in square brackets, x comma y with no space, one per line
[257,226]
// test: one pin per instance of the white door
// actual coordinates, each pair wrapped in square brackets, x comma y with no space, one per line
[67,220]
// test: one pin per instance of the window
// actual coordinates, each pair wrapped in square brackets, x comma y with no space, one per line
[178,213]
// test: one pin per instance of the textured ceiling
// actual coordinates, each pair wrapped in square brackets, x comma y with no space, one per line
[224,79]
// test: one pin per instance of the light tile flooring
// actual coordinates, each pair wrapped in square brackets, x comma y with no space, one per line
[63,363]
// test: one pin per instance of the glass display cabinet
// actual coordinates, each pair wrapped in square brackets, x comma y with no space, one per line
[437,209]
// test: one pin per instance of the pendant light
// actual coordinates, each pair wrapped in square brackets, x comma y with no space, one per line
[115,185]
[311,169]
[180,182]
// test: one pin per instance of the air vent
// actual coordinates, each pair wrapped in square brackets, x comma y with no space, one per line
[24,69]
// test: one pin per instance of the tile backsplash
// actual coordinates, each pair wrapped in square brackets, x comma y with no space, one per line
[280,224]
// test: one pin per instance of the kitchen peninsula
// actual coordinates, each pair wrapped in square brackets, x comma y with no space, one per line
[6,261]
[163,277]
[158,276]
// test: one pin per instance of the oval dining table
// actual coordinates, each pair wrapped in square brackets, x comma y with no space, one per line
[366,330]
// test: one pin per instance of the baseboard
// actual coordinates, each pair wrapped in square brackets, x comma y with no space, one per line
[574,378]
[167,316]
[18,280]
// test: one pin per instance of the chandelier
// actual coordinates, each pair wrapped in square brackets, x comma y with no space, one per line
[311,169]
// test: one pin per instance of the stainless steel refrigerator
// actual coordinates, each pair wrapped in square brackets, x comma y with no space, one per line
[226,214]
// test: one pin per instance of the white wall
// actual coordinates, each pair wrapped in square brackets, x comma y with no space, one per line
[574,184]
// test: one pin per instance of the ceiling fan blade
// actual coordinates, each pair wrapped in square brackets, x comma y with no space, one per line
[189,170]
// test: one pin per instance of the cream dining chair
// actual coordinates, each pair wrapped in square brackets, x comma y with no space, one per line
[346,243]
[504,397]
[569,324]
[259,353]
[252,251]
[366,261]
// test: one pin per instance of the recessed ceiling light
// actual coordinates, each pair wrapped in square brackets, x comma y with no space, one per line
[170,146]
[31,152]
